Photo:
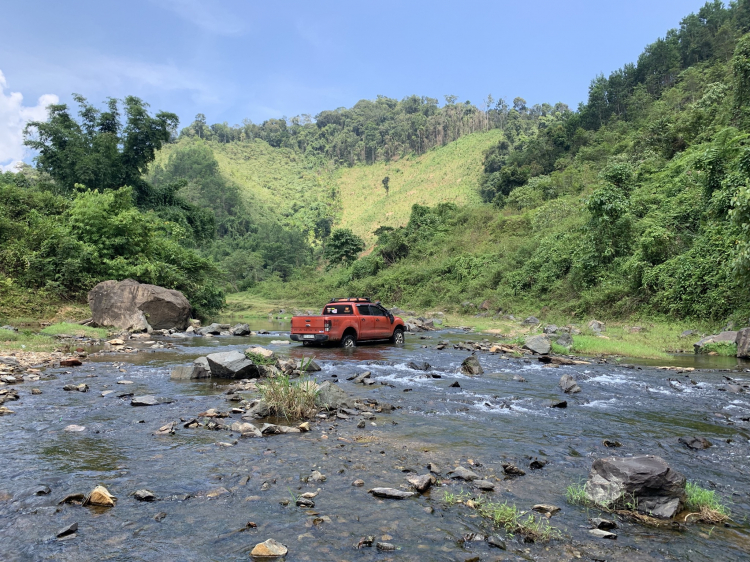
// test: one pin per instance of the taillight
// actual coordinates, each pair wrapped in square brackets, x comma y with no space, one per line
[327,325]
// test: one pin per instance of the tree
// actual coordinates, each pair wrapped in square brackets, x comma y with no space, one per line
[386,179]
[98,151]
[343,247]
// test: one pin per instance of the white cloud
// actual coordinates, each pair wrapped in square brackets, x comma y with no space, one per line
[13,118]
[209,16]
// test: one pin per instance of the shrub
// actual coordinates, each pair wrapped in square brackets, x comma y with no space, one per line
[290,399]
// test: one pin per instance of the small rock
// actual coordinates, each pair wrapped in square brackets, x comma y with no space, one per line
[601,534]
[422,483]
[597,327]
[358,483]
[518,378]
[462,473]
[455,385]
[305,502]
[316,476]
[391,493]
[69,530]
[497,542]
[144,496]
[611,443]
[71,362]
[36,391]
[559,404]
[75,428]
[696,443]
[512,470]
[537,464]
[485,485]
[603,524]
[385,546]
[568,385]
[160,516]
[361,424]
[531,320]
[268,549]
[432,467]
[100,496]
[539,344]
[546,509]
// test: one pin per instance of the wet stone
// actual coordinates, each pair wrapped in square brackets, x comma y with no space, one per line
[546,509]
[268,549]
[358,483]
[603,524]
[695,443]
[601,534]
[484,485]
[462,473]
[144,496]
[391,493]
[421,483]
[512,470]
[68,530]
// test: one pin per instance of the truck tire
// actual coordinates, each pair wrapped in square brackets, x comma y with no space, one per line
[349,340]
[398,336]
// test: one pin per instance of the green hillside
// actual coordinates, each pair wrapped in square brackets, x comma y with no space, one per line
[447,174]
[274,182]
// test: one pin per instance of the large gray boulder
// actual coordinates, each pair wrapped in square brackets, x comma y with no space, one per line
[231,365]
[743,343]
[646,484]
[539,344]
[130,305]
[723,337]
[240,330]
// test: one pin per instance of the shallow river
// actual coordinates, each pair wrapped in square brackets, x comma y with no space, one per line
[490,419]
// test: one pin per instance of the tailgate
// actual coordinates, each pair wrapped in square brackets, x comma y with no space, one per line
[308,325]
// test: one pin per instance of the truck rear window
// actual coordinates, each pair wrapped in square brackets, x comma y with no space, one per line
[338,309]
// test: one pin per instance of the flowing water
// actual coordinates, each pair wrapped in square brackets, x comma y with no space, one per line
[207,494]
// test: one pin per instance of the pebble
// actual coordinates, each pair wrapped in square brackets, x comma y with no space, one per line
[358,483]
[74,428]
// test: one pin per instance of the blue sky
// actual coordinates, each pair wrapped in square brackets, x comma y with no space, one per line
[245,59]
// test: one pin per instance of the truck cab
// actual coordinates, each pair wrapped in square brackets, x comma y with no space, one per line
[347,321]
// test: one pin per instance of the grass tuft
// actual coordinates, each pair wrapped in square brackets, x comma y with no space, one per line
[705,505]
[291,399]
[575,494]
[508,517]
[259,359]
[725,349]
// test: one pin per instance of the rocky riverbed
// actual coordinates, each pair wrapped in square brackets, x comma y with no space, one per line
[190,486]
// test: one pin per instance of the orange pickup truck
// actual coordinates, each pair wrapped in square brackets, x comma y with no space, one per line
[348,321]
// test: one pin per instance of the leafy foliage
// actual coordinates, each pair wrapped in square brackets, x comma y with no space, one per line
[343,247]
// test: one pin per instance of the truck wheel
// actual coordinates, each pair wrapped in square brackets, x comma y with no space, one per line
[398,336]
[348,341]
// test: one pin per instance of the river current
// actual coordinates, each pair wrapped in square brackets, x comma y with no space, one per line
[207,494]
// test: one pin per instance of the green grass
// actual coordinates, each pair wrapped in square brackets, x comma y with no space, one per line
[705,504]
[559,349]
[25,341]
[507,516]
[448,173]
[575,494]
[725,349]
[291,399]
[594,345]
[65,328]
[259,359]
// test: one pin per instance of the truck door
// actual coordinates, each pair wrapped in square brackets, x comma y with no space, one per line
[367,330]
[382,322]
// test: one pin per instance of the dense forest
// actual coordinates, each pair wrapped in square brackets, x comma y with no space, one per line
[637,201]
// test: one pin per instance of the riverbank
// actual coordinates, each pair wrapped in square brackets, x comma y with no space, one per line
[641,338]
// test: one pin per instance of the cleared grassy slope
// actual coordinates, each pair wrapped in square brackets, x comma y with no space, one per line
[446,174]
[275,181]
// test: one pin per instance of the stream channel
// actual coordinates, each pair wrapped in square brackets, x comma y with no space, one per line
[207,494]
